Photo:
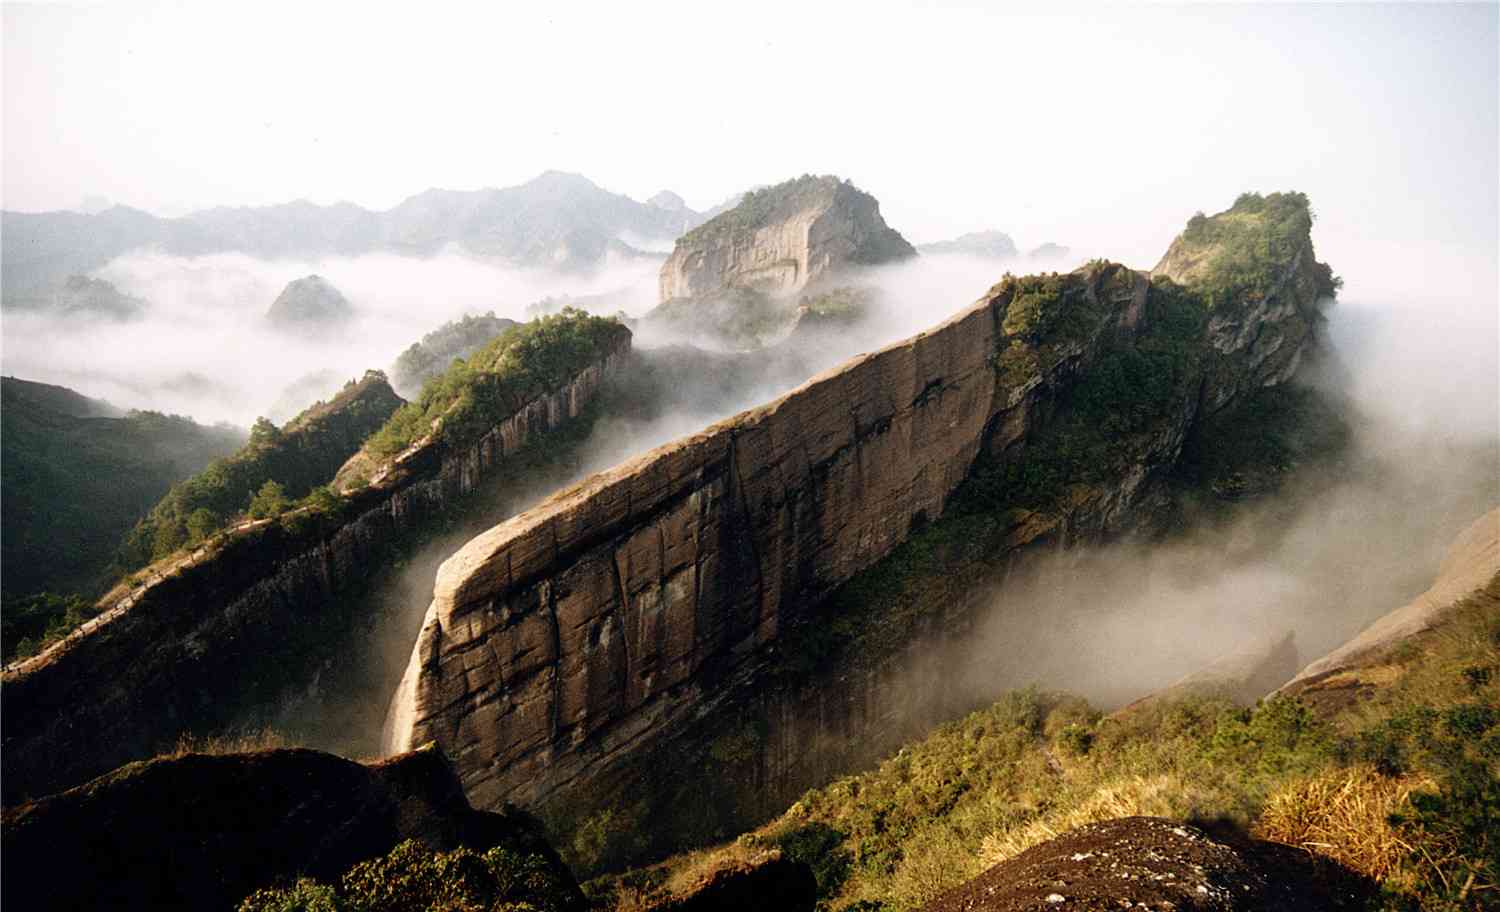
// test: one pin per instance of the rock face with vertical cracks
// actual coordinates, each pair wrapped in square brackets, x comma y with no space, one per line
[199,641]
[609,626]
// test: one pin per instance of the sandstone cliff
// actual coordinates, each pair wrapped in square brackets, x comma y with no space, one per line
[1471,568]
[778,239]
[203,635]
[679,587]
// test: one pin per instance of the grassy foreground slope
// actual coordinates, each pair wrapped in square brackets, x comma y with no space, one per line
[1402,785]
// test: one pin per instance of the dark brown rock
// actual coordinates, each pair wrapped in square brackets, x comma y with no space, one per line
[202,831]
[1149,862]
[583,632]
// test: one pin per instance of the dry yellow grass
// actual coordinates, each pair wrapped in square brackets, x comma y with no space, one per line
[1167,795]
[242,743]
[1344,815]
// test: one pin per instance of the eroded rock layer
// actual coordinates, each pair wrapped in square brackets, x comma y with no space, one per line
[576,640]
[204,637]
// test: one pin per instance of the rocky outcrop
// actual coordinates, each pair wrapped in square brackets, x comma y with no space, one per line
[779,239]
[201,637]
[201,831]
[1244,674]
[309,304]
[1152,863]
[1471,568]
[617,616]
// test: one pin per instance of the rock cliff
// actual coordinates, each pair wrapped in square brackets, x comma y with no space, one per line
[197,639]
[691,583]
[778,239]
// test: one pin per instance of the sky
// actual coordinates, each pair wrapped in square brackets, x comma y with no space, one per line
[1102,127]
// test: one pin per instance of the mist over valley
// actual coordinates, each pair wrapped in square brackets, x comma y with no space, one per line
[946,495]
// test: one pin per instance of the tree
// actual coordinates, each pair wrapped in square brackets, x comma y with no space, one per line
[269,501]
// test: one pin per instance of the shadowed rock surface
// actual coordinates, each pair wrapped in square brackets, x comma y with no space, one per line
[1153,863]
[767,882]
[201,831]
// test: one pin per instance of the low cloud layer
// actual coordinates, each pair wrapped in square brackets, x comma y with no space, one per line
[204,348]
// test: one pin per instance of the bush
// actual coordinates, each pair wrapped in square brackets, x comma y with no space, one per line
[413,878]
[269,501]
[298,458]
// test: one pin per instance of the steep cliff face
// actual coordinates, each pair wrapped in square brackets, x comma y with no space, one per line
[780,238]
[676,596]
[204,636]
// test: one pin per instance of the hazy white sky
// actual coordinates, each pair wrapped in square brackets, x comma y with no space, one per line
[1103,127]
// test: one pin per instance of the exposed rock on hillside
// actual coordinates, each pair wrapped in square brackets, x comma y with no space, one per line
[616,617]
[995,245]
[1471,568]
[1244,675]
[201,831]
[1156,864]
[779,239]
[197,639]
[308,305]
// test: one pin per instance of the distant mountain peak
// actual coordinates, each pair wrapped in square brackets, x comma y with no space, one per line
[990,243]
[309,302]
[669,201]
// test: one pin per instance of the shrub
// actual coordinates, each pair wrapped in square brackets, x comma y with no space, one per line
[473,396]
[413,878]
[269,501]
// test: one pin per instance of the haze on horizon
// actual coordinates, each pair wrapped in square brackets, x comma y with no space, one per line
[1100,127]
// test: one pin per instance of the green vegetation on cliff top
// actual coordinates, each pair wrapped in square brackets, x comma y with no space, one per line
[475,394]
[1243,253]
[293,461]
[769,205]
[455,339]
[766,204]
